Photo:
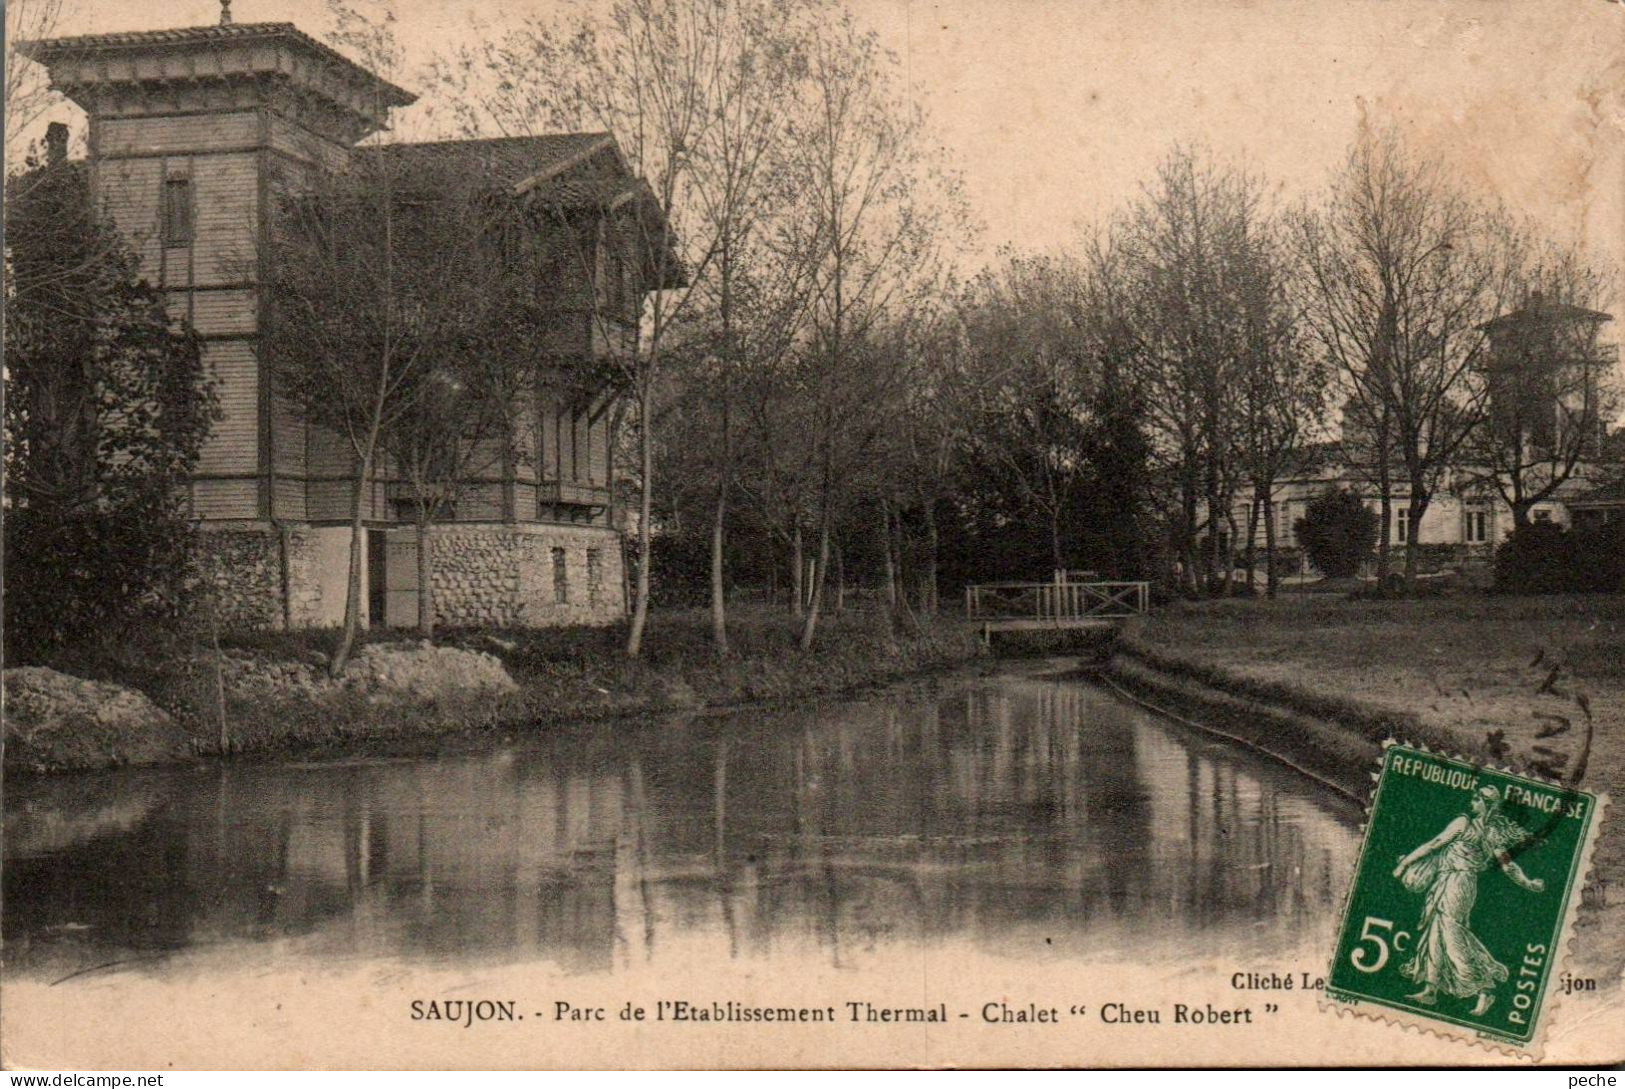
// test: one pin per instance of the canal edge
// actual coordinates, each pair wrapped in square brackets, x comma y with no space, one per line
[1335,746]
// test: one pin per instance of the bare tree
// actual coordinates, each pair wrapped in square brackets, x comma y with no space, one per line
[1023,328]
[934,424]
[28,89]
[383,276]
[751,303]
[871,225]
[1402,277]
[1283,387]
[1190,248]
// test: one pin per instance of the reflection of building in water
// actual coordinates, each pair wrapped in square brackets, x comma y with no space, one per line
[374,858]
[1016,816]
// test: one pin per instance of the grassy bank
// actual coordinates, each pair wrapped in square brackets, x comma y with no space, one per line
[1513,679]
[562,675]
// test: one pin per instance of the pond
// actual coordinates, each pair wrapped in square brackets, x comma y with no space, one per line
[1019,815]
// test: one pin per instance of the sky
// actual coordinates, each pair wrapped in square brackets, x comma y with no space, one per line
[1056,111]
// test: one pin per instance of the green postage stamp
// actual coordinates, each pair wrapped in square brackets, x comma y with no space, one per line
[1462,899]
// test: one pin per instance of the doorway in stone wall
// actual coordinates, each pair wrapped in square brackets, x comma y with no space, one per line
[401,578]
[377,576]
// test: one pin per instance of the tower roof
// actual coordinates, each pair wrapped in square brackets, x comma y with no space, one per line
[1542,311]
[92,69]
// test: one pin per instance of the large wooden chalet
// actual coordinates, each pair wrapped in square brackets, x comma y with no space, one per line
[192,134]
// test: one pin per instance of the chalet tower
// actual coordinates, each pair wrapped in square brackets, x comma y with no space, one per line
[193,134]
[1545,365]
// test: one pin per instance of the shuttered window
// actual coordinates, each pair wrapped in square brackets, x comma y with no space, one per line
[595,574]
[177,211]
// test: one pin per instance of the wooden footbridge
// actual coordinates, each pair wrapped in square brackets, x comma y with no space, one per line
[1065,603]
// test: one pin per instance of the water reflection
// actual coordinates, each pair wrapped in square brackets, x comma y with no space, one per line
[1027,816]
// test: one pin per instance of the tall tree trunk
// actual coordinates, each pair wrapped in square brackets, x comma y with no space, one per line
[1272,579]
[797,571]
[646,459]
[719,600]
[352,589]
[1252,542]
[894,535]
[1227,557]
[719,597]
[840,580]
[1056,559]
[1415,509]
[1187,529]
[932,543]
[1385,497]
[886,551]
[809,629]
[1211,561]
[425,575]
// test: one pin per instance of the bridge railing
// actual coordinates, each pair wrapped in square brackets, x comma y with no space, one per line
[1056,601]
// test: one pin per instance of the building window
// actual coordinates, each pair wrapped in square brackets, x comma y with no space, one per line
[1543,516]
[1284,531]
[1477,527]
[595,573]
[1402,525]
[178,212]
[617,279]
[561,578]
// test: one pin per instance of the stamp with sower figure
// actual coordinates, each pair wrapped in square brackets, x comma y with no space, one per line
[1463,896]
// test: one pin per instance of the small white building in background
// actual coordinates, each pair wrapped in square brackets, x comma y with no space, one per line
[1467,512]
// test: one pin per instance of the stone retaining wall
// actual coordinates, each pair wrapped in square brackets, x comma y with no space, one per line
[243,566]
[526,575]
[484,574]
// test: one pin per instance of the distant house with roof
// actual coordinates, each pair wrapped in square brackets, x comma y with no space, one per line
[1546,424]
[1465,519]
[191,133]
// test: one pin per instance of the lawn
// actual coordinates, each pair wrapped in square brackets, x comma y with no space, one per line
[1469,664]
[1522,676]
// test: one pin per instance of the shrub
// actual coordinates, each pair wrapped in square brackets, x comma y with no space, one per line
[107,407]
[91,574]
[1337,532]
[1543,558]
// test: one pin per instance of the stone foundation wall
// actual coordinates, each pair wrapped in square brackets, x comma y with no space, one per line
[243,562]
[244,568]
[526,575]
[484,574]
[308,606]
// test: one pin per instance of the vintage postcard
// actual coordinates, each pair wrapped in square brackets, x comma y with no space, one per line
[664,534]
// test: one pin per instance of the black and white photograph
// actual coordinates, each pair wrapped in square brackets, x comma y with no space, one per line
[805,534]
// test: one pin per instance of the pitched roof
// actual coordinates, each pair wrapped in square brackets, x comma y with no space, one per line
[1609,495]
[517,161]
[49,50]
[1539,310]
[551,170]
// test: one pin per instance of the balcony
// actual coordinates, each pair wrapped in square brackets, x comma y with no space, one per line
[576,494]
